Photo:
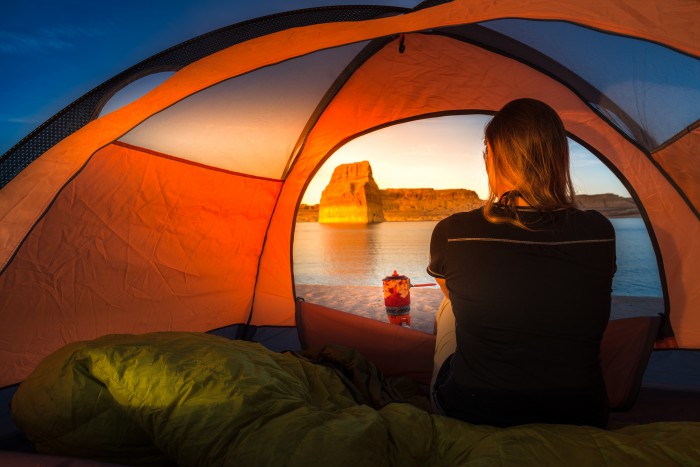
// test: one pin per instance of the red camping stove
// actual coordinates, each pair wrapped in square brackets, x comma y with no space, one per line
[397,298]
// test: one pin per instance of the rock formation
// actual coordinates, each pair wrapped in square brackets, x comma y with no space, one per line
[352,196]
[307,213]
[609,205]
[421,204]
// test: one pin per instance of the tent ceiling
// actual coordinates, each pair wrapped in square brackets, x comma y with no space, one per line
[649,92]
[659,88]
[229,125]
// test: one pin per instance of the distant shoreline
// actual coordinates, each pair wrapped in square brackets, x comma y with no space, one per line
[308,214]
[417,209]
[368,301]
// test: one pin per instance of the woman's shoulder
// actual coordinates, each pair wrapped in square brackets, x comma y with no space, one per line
[465,218]
[591,215]
[594,220]
[464,223]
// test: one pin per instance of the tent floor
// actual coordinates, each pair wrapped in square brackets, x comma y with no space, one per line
[660,405]
[670,390]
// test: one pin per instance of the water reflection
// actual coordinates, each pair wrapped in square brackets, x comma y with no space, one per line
[365,254]
[347,249]
[361,254]
[637,273]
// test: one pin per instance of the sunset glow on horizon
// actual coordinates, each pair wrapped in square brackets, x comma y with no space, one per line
[444,153]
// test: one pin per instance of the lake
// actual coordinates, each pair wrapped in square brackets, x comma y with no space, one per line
[327,254]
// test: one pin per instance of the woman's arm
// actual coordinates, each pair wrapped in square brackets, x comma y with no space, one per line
[443,287]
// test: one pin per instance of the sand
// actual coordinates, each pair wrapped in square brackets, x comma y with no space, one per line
[369,302]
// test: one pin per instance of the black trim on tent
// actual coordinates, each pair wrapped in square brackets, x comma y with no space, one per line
[677,136]
[248,329]
[353,65]
[538,61]
[180,160]
[507,46]
[47,208]
[665,329]
[84,109]
[108,94]
[365,54]
[430,3]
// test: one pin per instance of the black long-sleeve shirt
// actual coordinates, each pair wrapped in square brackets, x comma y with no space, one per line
[530,310]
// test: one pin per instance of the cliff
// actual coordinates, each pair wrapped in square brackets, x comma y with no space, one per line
[307,213]
[422,204]
[352,196]
[609,205]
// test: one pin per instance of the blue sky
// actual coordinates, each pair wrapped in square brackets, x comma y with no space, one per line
[53,52]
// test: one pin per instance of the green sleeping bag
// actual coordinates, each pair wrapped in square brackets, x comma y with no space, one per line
[193,399]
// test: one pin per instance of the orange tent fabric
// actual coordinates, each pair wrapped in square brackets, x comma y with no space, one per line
[159,244]
[117,238]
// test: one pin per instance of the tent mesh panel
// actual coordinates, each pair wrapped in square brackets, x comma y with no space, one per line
[86,108]
[430,3]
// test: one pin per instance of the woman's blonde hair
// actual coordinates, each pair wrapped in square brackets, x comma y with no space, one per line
[529,150]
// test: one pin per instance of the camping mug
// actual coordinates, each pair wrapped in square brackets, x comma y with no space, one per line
[397,298]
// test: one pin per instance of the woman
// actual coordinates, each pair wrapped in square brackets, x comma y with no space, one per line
[527,280]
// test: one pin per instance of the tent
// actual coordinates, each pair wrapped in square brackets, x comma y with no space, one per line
[176,212]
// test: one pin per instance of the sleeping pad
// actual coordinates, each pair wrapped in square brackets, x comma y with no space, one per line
[194,399]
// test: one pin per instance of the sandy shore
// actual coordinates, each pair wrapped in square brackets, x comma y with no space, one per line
[369,302]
